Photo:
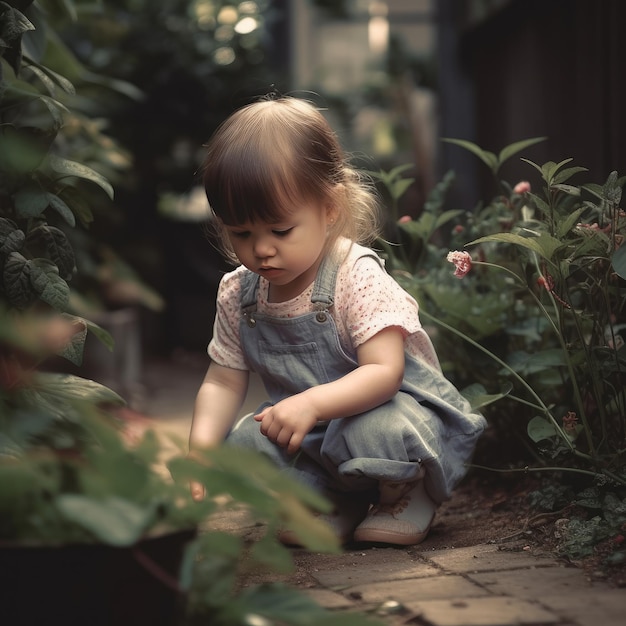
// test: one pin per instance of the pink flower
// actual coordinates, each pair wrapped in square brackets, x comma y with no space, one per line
[462,262]
[570,421]
[404,219]
[522,187]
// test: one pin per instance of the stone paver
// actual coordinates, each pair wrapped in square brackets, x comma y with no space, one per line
[534,582]
[483,558]
[487,611]
[589,607]
[407,591]
[366,572]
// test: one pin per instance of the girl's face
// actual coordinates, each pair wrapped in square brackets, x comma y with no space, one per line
[287,253]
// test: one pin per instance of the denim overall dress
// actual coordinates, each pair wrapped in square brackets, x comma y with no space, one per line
[427,425]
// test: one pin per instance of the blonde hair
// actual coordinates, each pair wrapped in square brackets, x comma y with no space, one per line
[269,157]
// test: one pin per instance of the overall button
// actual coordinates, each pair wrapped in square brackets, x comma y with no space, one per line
[321,316]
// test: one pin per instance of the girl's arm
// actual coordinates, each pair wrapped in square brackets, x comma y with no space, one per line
[376,380]
[217,405]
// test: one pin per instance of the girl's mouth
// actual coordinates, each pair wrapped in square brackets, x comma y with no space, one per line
[269,272]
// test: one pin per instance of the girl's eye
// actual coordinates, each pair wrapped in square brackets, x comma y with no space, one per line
[282,233]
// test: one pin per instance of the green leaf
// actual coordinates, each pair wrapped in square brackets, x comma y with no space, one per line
[489,158]
[567,173]
[618,261]
[53,243]
[67,386]
[568,189]
[446,216]
[113,521]
[72,197]
[50,78]
[507,152]
[16,278]
[74,350]
[72,168]
[399,187]
[49,286]
[22,150]
[14,25]
[543,244]
[478,397]
[62,209]
[31,201]
[540,429]
[104,336]
[11,237]
[569,222]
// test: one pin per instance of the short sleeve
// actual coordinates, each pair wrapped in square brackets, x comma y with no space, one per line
[370,300]
[225,345]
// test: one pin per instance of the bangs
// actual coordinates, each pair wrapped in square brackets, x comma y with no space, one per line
[251,184]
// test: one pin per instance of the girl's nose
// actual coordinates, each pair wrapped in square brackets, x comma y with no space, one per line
[263,248]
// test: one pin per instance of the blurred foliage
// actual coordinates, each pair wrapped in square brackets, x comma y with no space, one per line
[70,472]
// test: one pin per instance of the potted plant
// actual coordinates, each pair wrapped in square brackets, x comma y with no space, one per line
[94,527]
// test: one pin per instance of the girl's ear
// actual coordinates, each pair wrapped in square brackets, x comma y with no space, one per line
[332,210]
[331,213]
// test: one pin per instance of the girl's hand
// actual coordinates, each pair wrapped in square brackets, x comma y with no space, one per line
[197,491]
[287,422]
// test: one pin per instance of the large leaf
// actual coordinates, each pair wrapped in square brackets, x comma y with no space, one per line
[14,24]
[49,286]
[31,201]
[67,386]
[52,243]
[62,209]
[49,78]
[74,350]
[22,150]
[72,168]
[113,521]
[543,244]
[11,237]
[618,261]
[539,429]
[512,149]
[16,279]
[489,158]
[478,397]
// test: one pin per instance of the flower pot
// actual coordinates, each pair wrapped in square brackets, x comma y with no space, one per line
[94,584]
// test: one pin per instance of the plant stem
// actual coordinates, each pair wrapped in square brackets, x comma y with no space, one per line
[575,470]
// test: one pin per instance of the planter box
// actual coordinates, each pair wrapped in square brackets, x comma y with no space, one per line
[94,585]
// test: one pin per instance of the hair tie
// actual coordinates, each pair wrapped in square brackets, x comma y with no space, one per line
[273,93]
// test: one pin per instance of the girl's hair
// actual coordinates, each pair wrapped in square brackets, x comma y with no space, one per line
[269,157]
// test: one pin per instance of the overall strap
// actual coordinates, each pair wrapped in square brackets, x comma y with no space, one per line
[323,294]
[249,288]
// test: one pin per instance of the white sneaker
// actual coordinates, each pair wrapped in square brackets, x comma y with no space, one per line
[403,515]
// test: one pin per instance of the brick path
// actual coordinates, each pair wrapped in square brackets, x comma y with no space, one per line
[472,586]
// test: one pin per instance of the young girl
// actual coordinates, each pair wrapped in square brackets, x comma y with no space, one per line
[358,407]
